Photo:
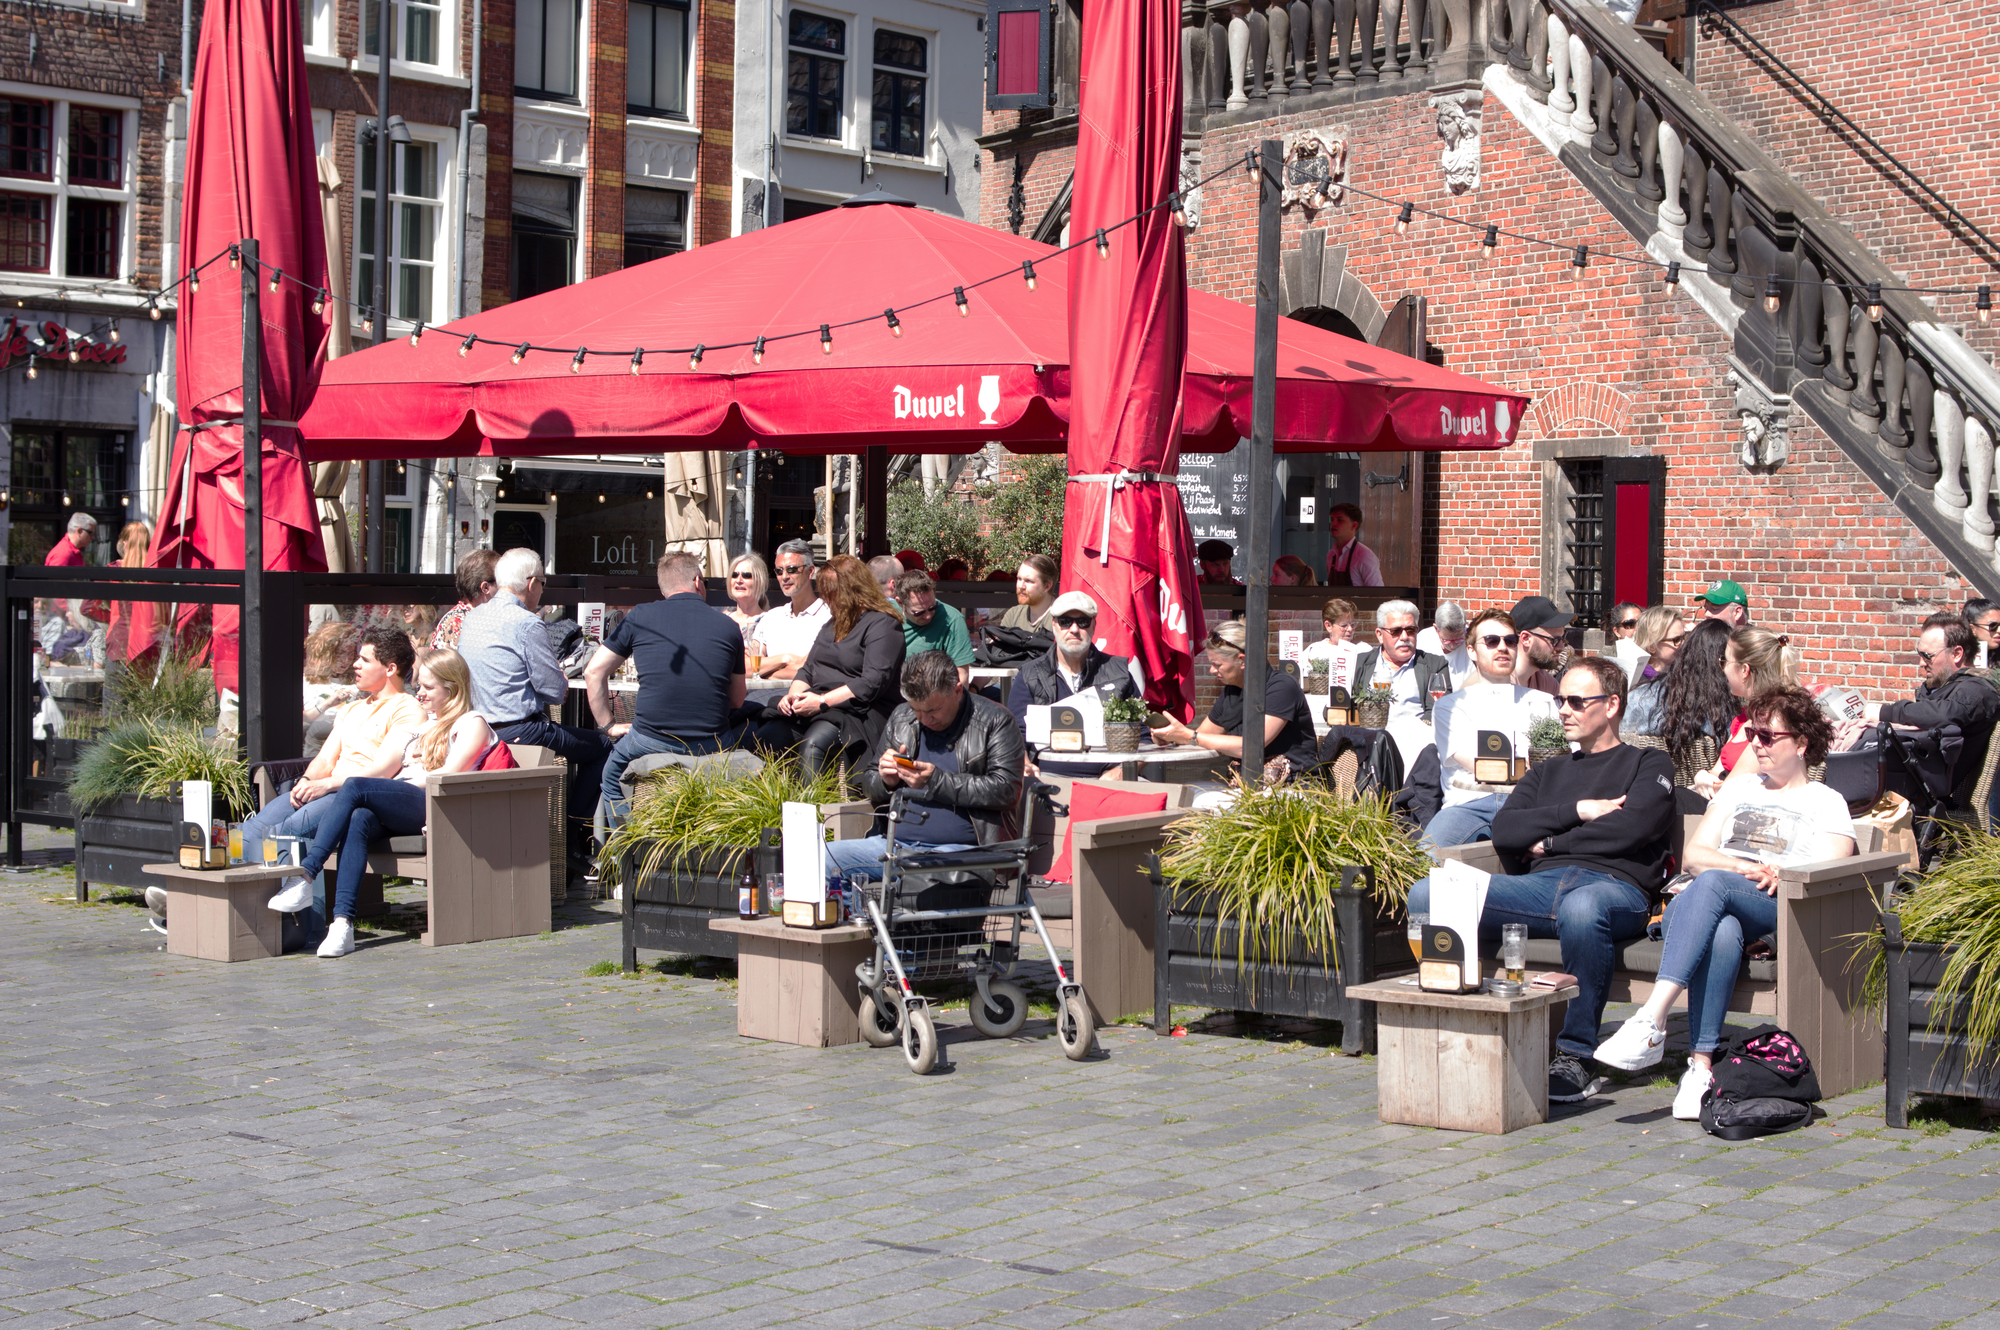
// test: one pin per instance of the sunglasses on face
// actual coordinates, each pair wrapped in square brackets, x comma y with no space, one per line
[1767,737]
[1493,640]
[1990,626]
[740,577]
[1408,630]
[1073,621]
[1628,623]
[1571,702]
[784,568]
[1676,639]
[1928,656]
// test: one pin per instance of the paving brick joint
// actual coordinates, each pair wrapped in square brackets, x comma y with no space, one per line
[486,1135]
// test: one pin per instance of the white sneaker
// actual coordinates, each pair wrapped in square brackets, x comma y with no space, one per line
[1687,1100]
[293,896]
[339,939]
[1637,1045]
[156,899]
[618,894]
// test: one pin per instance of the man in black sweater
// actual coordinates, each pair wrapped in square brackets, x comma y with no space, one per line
[1949,695]
[1584,840]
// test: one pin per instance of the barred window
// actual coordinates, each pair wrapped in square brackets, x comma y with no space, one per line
[1583,541]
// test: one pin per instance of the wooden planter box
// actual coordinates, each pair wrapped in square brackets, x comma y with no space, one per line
[1918,1058]
[1194,962]
[670,910]
[115,841]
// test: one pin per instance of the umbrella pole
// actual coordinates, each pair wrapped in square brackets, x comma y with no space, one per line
[1263,423]
[250,621]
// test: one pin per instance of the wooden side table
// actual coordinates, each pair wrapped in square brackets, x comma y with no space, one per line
[224,914]
[1463,1062]
[797,985]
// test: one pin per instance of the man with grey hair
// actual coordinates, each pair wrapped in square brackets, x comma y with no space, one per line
[1446,637]
[887,568]
[690,661]
[959,756]
[76,538]
[1073,665]
[1415,679]
[515,680]
[785,633]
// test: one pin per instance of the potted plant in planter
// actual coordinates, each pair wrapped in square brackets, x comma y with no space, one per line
[1278,902]
[1938,979]
[1371,707]
[1318,672]
[1124,724]
[125,789]
[691,833]
[1545,741]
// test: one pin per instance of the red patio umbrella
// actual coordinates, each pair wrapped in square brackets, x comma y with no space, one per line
[250,173]
[1125,536]
[935,382]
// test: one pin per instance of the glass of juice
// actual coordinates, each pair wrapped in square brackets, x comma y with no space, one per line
[235,843]
[270,849]
[1414,930]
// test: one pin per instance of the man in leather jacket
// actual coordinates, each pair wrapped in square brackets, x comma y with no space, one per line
[960,757]
[1950,694]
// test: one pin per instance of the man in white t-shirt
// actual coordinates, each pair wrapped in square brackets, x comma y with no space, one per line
[788,631]
[1488,701]
[1446,637]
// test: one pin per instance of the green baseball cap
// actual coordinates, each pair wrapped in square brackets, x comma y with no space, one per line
[1725,592]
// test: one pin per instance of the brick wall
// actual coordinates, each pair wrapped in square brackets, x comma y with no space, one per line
[714,110]
[603,221]
[496,107]
[1042,157]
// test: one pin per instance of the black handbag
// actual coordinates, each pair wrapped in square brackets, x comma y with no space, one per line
[1000,646]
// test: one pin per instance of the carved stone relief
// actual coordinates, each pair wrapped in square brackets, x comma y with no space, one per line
[1765,417]
[1458,124]
[1315,169]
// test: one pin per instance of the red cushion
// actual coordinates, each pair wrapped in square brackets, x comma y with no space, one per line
[498,758]
[1094,803]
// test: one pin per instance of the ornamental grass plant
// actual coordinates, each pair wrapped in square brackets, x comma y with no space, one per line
[685,813]
[176,689]
[1270,863]
[1957,905]
[148,757]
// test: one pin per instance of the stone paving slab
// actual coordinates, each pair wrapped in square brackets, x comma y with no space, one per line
[489,1136]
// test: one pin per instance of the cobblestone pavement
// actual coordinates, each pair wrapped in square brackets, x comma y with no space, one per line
[486,1135]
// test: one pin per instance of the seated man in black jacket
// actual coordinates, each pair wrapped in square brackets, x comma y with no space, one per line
[961,759]
[1073,665]
[1584,840]
[1949,695]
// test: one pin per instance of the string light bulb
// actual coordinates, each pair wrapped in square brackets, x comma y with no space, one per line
[465,347]
[277,275]
[1579,263]
[194,281]
[1404,218]
[235,262]
[757,352]
[112,334]
[576,361]
[825,339]
[1491,242]
[1874,302]
[1178,208]
[1672,277]
[319,302]
[600,498]
[153,309]
[368,320]
[65,498]
[1103,244]
[638,359]
[1773,295]
[1984,304]
[520,353]
[416,332]
[694,361]
[958,294]
[32,371]
[895,324]
[74,354]
[1028,272]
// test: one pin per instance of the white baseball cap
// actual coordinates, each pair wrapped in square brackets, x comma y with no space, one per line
[1073,601]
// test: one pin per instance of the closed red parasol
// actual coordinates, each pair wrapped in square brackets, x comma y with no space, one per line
[934,381]
[250,173]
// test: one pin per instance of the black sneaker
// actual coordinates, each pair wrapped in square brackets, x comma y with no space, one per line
[1570,1080]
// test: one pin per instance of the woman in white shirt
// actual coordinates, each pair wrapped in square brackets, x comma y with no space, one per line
[1753,828]
[364,810]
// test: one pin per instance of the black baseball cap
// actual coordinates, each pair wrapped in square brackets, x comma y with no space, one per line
[1215,551]
[1538,612]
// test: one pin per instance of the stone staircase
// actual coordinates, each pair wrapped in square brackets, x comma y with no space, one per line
[1809,309]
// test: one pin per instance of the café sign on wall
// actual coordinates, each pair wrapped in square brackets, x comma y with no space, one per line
[54,345]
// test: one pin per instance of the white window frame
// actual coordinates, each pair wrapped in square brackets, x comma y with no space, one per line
[848,120]
[582,53]
[929,40]
[444,67]
[443,141]
[692,63]
[319,34]
[57,186]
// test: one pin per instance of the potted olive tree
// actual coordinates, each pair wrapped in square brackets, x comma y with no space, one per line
[681,852]
[1937,979]
[1278,902]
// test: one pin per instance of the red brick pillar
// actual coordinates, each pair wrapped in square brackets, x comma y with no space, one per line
[603,220]
[496,108]
[714,113]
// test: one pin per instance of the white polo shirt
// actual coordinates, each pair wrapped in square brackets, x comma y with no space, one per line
[786,633]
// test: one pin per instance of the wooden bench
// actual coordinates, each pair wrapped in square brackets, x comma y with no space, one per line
[1812,986]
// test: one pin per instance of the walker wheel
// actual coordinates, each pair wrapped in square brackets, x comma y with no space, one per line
[881,1015]
[1074,1028]
[1003,1015]
[920,1044]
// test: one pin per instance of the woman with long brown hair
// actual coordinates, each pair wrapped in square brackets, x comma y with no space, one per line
[843,694]
[133,543]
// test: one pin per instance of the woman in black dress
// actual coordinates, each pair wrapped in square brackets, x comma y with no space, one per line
[843,694]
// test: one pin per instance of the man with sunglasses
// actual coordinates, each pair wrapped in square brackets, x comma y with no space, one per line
[1073,665]
[1950,694]
[1983,618]
[1415,679]
[929,626]
[1584,842]
[786,633]
[1620,627]
[1489,702]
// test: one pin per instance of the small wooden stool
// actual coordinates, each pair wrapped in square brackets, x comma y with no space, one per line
[797,985]
[1464,1062]
[223,914]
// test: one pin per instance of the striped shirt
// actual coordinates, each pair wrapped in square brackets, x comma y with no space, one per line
[513,667]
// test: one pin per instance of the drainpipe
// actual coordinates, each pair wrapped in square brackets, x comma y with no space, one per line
[470,114]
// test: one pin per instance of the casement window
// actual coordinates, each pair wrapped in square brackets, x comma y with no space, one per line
[655,223]
[902,86]
[65,187]
[656,66]
[816,76]
[416,228]
[418,27]
[544,227]
[545,47]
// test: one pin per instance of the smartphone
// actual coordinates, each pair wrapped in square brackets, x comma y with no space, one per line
[904,763]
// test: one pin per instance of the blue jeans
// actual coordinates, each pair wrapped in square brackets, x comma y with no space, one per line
[362,811]
[1587,911]
[1707,925]
[636,745]
[864,855]
[1462,824]
[279,818]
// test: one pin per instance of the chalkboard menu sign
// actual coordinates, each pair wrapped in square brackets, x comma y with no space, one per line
[1215,491]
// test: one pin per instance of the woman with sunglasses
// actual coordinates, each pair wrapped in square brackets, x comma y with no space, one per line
[1659,636]
[1754,828]
[749,591]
